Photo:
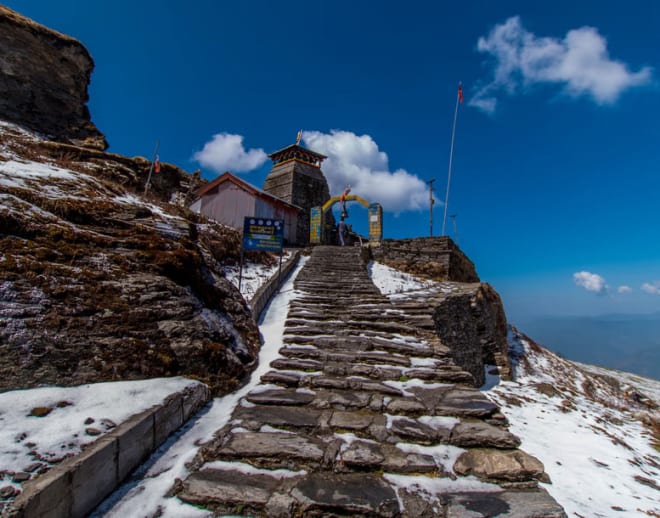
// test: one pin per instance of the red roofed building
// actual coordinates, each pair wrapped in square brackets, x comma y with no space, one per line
[228,200]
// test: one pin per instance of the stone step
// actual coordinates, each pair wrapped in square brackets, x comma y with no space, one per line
[357,342]
[247,491]
[371,358]
[324,493]
[343,365]
[274,450]
[320,300]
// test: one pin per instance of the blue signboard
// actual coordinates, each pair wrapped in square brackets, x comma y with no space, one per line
[265,234]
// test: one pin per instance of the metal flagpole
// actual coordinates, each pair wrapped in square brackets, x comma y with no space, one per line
[459,95]
[146,185]
[431,202]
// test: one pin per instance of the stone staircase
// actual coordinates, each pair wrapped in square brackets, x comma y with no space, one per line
[364,414]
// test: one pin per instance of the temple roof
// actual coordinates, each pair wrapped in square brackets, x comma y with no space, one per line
[297,152]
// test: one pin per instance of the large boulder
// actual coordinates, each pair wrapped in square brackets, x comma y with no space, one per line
[44,77]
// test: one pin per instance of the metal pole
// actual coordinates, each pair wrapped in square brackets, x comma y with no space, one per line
[451,156]
[146,186]
[431,202]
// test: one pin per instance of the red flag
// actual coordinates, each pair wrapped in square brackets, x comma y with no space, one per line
[157,165]
[460,93]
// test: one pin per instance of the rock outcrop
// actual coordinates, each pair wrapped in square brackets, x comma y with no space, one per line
[472,323]
[99,284]
[44,77]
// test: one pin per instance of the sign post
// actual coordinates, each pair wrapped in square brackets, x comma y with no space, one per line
[264,234]
[375,211]
[315,225]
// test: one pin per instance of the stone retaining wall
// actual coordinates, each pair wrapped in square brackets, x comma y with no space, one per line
[77,485]
[438,258]
[265,292]
[472,323]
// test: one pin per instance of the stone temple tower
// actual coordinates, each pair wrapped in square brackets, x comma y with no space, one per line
[297,178]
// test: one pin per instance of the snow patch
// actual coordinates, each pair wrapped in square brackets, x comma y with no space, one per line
[69,412]
[248,469]
[390,281]
[445,455]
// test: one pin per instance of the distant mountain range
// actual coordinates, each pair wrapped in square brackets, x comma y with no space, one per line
[618,341]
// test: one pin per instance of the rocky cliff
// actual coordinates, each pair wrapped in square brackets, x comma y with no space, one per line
[44,77]
[97,283]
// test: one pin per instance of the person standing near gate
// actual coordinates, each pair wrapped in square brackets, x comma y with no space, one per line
[341,228]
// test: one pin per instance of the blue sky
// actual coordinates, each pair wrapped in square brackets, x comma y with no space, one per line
[556,169]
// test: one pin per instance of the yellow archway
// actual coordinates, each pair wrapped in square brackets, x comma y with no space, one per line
[350,197]
[317,219]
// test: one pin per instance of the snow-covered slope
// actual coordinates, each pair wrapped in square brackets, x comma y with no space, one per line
[595,430]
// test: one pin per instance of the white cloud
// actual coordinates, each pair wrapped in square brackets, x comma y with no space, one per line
[580,62]
[591,282]
[652,288]
[357,161]
[624,289]
[225,152]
